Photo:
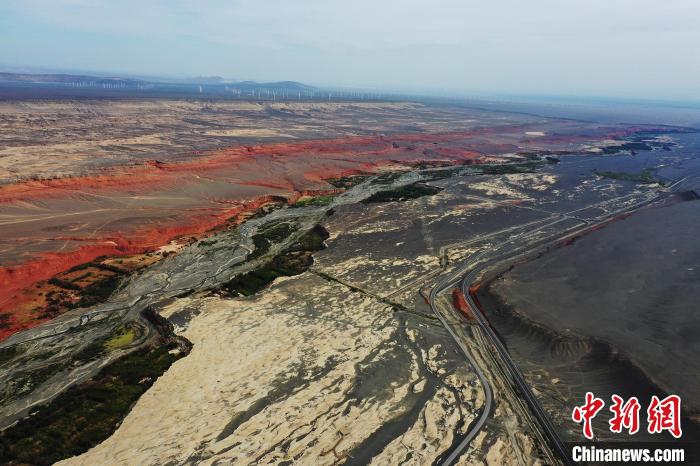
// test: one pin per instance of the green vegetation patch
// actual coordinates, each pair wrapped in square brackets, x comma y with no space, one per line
[90,352]
[403,193]
[388,177]
[435,175]
[508,168]
[124,336]
[95,293]
[641,141]
[270,234]
[631,146]
[65,284]
[316,201]
[643,177]
[529,166]
[425,164]
[347,181]
[86,414]
[294,260]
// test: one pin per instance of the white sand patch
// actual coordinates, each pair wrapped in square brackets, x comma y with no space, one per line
[498,187]
[537,181]
[173,246]
[244,349]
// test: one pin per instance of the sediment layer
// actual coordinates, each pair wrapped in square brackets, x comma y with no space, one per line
[51,225]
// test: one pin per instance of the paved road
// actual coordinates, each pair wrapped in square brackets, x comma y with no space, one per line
[521,244]
[443,285]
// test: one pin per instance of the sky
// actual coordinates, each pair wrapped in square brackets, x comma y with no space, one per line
[616,48]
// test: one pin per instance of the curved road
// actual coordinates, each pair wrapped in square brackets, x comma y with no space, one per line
[440,287]
[521,244]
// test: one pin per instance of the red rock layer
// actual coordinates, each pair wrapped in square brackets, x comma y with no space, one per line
[213,188]
[17,279]
[52,225]
[376,150]
[460,303]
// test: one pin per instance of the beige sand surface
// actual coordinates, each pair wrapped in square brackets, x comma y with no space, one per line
[287,361]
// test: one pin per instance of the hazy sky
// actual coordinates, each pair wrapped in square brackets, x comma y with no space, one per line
[643,48]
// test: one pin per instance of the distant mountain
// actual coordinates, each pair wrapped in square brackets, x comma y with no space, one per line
[66,79]
[289,85]
[215,81]
[20,85]
[205,80]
